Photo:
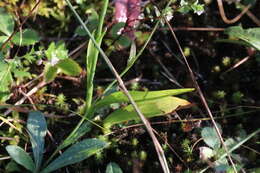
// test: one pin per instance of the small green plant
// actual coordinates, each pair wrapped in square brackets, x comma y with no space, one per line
[37,128]
[215,151]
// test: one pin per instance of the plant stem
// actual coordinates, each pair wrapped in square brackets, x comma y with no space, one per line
[157,145]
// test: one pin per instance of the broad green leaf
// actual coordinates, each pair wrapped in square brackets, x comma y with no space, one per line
[76,153]
[50,72]
[37,128]
[119,97]
[21,157]
[6,22]
[149,108]
[113,168]
[69,67]
[28,37]
[210,137]
[250,36]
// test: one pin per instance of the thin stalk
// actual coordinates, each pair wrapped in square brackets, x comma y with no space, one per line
[92,58]
[203,100]
[137,56]
[141,51]
[157,145]
[91,62]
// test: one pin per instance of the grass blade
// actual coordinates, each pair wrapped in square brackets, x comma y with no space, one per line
[157,145]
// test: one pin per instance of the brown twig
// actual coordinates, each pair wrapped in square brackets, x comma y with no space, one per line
[242,61]
[224,17]
[253,17]
[31,92]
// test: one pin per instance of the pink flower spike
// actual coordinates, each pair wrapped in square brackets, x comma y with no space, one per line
[128,11]
[121,10]
[133,12]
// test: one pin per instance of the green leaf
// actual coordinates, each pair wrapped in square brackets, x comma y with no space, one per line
[76,153]
[149,108]
[113,168]
[210,137]
[50,72]
[56,52]
[21,157]
[6,78]
[12,167]
[3,39]
[115,31]
[28,37]
[250,36]
[37,128]
[124,41]
[82,130]
[132,55]
[119,97]
[69,67]
[20,74]
[6,22]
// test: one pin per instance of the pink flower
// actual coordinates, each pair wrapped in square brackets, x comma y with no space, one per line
[128,11]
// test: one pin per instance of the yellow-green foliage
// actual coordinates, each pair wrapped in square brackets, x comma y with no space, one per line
[46,8]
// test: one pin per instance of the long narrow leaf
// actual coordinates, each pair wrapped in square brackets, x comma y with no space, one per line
[150,108]
[84,128]
[119,97]
[21,157]
[91,59]
[37,128]
[76,153]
